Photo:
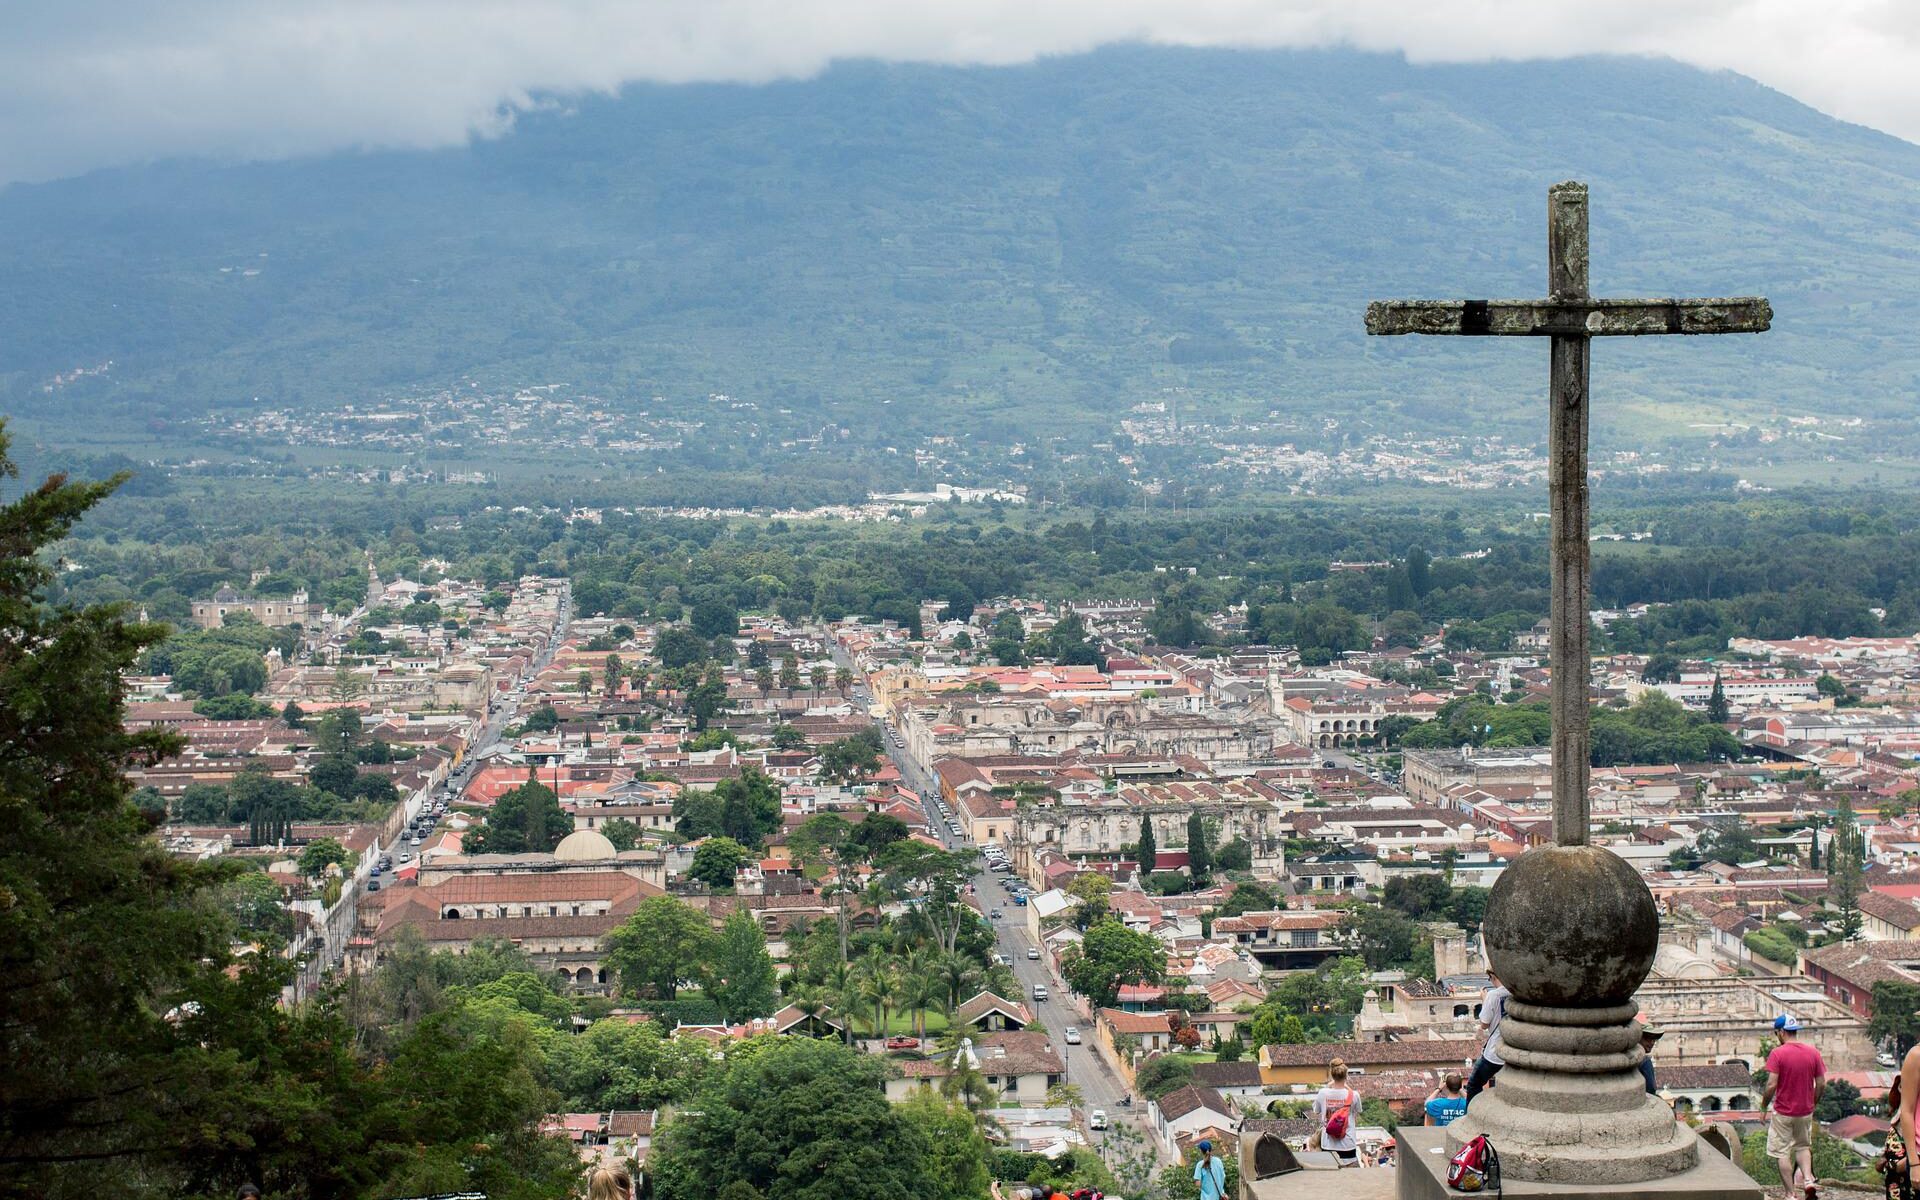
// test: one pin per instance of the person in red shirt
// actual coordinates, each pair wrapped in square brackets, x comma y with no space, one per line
[1796,1075]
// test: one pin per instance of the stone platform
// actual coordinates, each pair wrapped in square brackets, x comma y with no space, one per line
[1422,1171]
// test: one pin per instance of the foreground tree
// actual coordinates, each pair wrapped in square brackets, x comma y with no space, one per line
[798,1119]
[99,939]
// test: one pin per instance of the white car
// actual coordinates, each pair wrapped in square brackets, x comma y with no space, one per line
[1033,954]
[1073,1036]
[1097,1119]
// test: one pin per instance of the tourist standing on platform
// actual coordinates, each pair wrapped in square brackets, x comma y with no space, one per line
[1337,1108]
[1493,1010]
[1210,1173]
[1796,1075]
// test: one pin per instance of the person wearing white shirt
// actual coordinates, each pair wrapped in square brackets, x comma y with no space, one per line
[1493,1010]
[1336,1097]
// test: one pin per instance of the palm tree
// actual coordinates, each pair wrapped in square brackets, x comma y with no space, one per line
[843,680]
[818,677]
[810,1002]
[881,989]
[919,991]
[841,988]
[957,975]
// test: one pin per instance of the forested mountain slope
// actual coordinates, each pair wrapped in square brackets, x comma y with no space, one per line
[1013,251]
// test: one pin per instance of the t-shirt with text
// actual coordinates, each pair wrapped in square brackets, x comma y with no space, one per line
[1445,1110]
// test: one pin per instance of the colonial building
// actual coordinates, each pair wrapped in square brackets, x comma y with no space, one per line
[268,610]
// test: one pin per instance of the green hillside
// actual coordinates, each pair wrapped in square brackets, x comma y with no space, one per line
[1006,252]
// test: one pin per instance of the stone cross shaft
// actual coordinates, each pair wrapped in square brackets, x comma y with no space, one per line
[1571,318]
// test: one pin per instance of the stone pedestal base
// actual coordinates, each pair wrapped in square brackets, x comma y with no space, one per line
[1571,1106]
[1422,1172]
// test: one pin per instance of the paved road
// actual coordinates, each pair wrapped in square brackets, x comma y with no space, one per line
[502,715]
[1086,1066]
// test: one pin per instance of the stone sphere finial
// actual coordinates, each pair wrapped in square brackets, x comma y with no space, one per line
[1571,927]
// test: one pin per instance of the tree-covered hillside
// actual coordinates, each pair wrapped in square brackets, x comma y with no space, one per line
[1005,251]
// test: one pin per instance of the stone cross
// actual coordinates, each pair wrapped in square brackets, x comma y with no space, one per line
[1570,317]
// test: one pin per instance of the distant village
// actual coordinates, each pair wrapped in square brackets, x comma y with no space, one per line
[1246,773]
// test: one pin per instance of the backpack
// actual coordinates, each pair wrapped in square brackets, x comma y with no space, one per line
[1337,1121]
[1475,1168]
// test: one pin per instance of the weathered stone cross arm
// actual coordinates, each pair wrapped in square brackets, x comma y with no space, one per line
[1570,318]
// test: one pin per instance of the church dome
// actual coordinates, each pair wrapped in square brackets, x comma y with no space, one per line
[584,845]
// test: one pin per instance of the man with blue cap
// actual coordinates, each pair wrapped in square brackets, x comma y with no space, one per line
[1210,1173]
[1796,1075]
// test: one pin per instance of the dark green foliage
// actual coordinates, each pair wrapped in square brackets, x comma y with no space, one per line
[875,833]
[1109,955]
[743,981]
[1164,1074]
[677,647]
[795,1118]
[315,857]
[717,860]
[1655,729]
[234,707]
[1146,851]
[333,774]
[1841,1099]
[624,834]
[1383,937]
[1896,1015]
[1418,896]
[1199,849]
[663,945]
[525,820]
[852,759]
[1718,710]
[184,1079]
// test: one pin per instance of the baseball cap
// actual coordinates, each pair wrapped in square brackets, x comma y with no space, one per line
[1652,1031]
[1787,1022]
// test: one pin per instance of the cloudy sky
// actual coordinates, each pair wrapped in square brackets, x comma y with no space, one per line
[90,83]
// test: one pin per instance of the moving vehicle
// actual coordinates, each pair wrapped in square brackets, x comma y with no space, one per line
[997,915]
[1039,991]
[1097,1119]
[1033,954]
[1073,1035]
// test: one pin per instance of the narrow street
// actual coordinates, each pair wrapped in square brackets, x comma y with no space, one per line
[1086,1065]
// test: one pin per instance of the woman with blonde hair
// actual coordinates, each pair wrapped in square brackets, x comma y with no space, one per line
[610,1183]
[1336,1108]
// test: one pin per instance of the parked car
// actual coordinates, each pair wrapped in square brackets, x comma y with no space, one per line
[1033,954]
[903,1043]
[1073,1035]
[1020,899]
[1097,1119]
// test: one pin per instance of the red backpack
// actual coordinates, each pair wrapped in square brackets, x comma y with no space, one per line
[1337,1120]
[1475,1168]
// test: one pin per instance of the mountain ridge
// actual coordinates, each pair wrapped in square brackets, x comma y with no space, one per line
[1018,250]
